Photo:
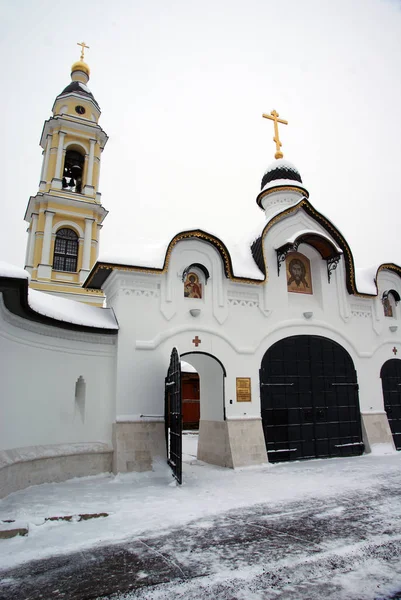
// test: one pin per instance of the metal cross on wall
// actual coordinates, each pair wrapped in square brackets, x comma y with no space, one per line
[395,350]
[196,341]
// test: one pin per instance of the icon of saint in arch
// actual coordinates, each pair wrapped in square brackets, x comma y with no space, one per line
[192,287]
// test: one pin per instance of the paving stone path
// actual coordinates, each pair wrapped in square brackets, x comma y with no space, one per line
[298,550]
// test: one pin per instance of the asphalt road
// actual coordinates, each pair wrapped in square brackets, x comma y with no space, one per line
[345,548]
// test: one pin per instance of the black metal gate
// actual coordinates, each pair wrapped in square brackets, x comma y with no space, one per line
[173,415]
[391,382]
[309,400]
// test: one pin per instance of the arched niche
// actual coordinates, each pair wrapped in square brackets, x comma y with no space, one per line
[321,243]
[390,300]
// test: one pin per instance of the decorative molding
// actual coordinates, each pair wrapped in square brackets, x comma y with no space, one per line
[284,330]
[282,188]
[146,293]
[140,287]
[71,224]
[332,264]
[243,299]
[361,311]
[283,251]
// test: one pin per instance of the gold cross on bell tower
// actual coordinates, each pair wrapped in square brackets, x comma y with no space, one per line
[83,46]
[274,116]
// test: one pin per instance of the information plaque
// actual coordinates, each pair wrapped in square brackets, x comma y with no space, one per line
[243,389]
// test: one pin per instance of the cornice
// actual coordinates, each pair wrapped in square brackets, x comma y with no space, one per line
[281,188]
[87,130]
[81,201]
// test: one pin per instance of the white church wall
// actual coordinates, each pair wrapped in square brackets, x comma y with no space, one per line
[40,366]
[237,323]
[147,335]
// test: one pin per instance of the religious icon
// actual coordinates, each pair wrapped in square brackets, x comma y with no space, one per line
[298,273]
[387,308]
[192,287]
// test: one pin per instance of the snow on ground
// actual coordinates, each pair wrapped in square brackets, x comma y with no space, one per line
[150,502]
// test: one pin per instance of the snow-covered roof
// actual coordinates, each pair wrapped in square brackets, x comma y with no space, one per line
[8,270]
[365,280]
[145,254]
[71,311]
[281,163]
[61,309]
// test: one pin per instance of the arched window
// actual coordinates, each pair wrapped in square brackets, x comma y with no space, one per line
[73,171]
[65,250]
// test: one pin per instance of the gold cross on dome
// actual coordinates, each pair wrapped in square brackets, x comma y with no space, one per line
[274,116]
[83,46]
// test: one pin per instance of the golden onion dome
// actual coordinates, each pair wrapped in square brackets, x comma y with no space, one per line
[80,65]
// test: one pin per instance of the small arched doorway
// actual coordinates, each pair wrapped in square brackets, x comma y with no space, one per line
[190,396]
[211,384]
[212,444]
[309,400]
[391,382]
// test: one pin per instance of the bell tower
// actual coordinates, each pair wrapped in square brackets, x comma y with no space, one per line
[66,214]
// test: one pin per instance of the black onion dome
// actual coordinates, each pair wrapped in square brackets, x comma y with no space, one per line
[79,88]
[280,169]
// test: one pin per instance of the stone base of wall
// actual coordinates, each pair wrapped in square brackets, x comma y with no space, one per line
[232,443]
[213,443]
[247,442]
[376,430]
[137,444]
[22,467]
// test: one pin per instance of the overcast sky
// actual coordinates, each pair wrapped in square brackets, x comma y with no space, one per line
[182,85]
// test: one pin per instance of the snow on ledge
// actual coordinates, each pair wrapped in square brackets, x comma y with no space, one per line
[365,280]
[71,311]
[8,270]
[28,453]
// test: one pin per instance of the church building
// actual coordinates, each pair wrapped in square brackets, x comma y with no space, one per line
[290,352]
